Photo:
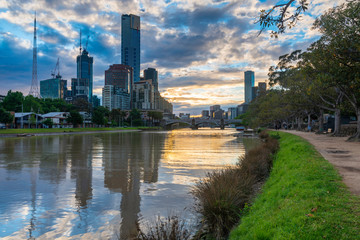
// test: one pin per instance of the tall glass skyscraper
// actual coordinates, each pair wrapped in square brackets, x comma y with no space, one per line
[82,86]
[249,83]
[130,43]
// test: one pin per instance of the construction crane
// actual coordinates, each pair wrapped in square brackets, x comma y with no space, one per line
[57,67]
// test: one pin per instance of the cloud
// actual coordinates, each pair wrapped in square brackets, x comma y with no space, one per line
[200,47]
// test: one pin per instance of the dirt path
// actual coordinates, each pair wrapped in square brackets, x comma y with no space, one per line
[345,156]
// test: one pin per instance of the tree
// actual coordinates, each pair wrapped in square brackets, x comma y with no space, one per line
[75,118]
[31,104]
[280,16]
[5,117]
[82,105]
[13,101]
[340,28]
[48,122]
[98,117]
[135,118]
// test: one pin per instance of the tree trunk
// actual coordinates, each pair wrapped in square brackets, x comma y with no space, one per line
[321,121]
[298,119]
[337,122]
[356,137]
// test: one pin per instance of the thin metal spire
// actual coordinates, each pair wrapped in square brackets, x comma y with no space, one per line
[34,90]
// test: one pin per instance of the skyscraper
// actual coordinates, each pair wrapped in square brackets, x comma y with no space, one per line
[249,82]
[130,43]
[120,75]
[152,74]
[82,86]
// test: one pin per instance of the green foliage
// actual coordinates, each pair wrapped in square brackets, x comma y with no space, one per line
[303,198]
[135,118]
[98,117]
[75,118]
[32,119]
[13,101]
[5,117]
[48,122]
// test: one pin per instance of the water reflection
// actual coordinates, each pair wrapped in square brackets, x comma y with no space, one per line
[99,185]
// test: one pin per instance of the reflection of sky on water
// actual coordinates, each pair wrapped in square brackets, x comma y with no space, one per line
[103,185]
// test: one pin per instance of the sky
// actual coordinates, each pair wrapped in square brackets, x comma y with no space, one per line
[201,48]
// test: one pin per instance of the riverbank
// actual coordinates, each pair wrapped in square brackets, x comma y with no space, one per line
[303,198]
[65,131]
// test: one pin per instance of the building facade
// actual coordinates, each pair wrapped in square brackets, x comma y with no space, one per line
[232,113]
[130,43]
[53,88]
[144,95]
[151,73]
[115,97]
[120,75]
[213,109]
[249,82]
[82,85]
[205,114]
[254,92]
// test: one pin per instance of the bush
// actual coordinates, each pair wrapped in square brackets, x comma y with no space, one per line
[170,228]
[223,195]
[220,196]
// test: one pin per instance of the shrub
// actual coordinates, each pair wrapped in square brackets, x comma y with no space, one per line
[170,228]
[263,135]
[223,195]
[220,196]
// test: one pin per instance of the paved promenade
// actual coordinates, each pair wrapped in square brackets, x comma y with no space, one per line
[345,156]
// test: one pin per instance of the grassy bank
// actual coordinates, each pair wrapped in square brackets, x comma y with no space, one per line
[61,130]
[303,198]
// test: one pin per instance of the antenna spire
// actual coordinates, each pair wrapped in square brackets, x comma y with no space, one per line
[34,90]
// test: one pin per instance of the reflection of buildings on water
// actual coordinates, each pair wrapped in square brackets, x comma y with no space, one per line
[81,167]
[129,159]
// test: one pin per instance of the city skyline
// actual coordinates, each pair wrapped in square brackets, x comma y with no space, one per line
[200,50]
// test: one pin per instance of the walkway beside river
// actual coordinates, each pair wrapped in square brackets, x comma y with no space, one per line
[345,156]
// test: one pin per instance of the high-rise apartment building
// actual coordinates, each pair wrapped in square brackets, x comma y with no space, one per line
[249,82]
[152,74]
[82,86]
[130,43]
[115,97]
[120,75]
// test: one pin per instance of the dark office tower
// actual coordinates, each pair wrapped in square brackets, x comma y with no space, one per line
[152,74]
[130,43]
[254,92]
[249,83]
[82,86]
[120,75]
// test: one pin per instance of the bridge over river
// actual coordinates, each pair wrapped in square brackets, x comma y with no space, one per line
[195,123]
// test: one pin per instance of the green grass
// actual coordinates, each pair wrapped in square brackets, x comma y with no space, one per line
[303,198]
[60,130]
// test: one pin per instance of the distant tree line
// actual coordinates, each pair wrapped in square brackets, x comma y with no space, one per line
[17,102]
[325,78]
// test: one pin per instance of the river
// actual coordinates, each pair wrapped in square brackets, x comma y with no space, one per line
[102,186]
